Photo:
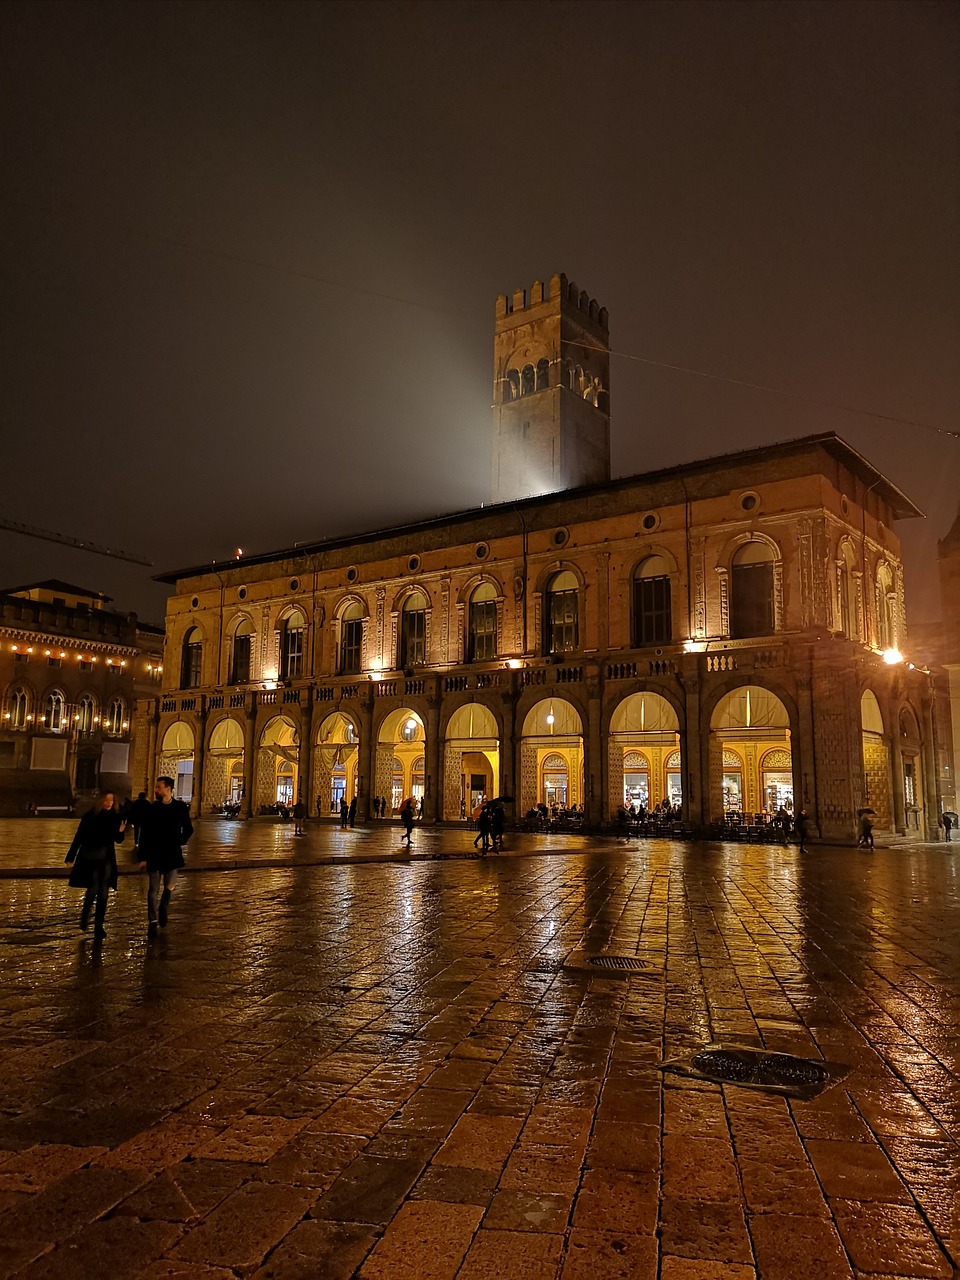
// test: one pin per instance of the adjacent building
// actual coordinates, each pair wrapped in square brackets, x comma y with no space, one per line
[727,635]
[71,670]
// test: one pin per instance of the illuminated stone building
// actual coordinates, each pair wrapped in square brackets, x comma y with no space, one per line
[711,634]
[71,671]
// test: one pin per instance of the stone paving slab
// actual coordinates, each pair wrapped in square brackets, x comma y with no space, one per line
[382,1070]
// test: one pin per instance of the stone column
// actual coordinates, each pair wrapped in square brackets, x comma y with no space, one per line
[151,765]
[367,754]
[594,765]
[434,780]
[896,769]
[695,782]
[509,783]
[199,757]
[805,793]
[249,753]
[305,780]
[931,802]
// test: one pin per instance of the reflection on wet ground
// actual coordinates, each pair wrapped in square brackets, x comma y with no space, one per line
[383,1069]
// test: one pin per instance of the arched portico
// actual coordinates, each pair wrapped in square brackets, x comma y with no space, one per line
[877,790]
[335,762]
[399,767]
[551,755]
[643,739]
[750,725]
[223,765]
[471,760]
[177,748]
[278,758]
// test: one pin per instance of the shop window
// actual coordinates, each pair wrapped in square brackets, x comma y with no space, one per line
[651,603]
[751,591]
[291,646]
[482,625]
[351,639]
[562,614]
[191,658]
[413,630]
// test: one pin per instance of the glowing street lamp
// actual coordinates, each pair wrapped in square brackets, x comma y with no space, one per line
[892,656]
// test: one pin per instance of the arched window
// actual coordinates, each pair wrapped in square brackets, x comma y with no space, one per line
[115,721]
[848,594]
[555,780]
[291,646]
[413,630]
[543,374]
[242,652]
[351,639]
[651,603]
[528,380]
[482,625]
[751,591]
[54,711]
[886,609]
[18,708]
[191,659]
[511,386]
[86,715]
[562,632]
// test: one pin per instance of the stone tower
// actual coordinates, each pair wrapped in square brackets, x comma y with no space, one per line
[551,391]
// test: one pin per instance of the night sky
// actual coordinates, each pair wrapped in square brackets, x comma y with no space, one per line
[250,254]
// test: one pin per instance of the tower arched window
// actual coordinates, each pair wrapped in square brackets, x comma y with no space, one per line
[528,380]
[413,630]
[240,658]
[561,615]
[351,639]
[751,591]
[18,708]
[482,624]
[511,386]
[86,714]
[191,659]
[54,712]
[543,374]
[291,646]
[652,623]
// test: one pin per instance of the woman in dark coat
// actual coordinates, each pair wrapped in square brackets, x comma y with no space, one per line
[94,857]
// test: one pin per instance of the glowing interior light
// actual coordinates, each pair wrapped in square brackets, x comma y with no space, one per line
[411,726]
[550,716]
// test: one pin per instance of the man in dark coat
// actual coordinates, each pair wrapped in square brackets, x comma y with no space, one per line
[166,829]
[138,810]
[352,812]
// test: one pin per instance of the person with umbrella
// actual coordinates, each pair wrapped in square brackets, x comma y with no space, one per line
[866,828]
[407,818]
[950,820]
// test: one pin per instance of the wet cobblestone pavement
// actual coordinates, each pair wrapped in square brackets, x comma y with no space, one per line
[381,1069]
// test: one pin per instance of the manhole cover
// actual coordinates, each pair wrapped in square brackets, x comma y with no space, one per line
[617,962]
[759,1069]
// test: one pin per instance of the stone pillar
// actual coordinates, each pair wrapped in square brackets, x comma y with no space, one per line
[305,778]
[367,754]
[896,769]
[594,765]
[199,757]
[249,754]
[433,783]
[151,765]
[509,783]
[695,782]
[805,791]
[931,801]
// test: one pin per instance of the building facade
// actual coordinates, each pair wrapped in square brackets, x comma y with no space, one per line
[726,635]
[71,671]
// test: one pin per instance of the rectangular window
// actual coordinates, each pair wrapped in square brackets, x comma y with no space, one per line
[351,646]
[85,666]
[21,657]
[54,662]
[240,672]
[751,600]
[482,646]
[292,657]
[651,611]
[413,637]
[562,631]
[190,668]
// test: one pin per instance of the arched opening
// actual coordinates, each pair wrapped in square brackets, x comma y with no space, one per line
[652,623]
[292,633]
[849,621]
[241,653]
[551,729]
[223,766]
[54,716]
[511,386]
[752,726]
[401,743]
[335,763]
[751,591]
[886,609]
[277,765]
[561,614]
[909,744]
[543,375]
[644,735]
[86,715]
[413,631]
[115,722]
[527,380]
[877,793]
[191,659]
[482,624]
[471,760]
[17,714]
[351,639]
[176,758]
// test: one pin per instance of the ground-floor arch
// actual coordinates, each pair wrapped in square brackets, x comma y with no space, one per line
[176,759]
[335,763]
[223,765]
[751,757]
[643,753]
[399,769]
[551,756]
[471,760]
[278,760]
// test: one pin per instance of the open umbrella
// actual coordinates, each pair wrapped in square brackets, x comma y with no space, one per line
[949,813]
[861,812]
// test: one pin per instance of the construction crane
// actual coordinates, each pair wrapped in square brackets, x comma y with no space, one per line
[31,531]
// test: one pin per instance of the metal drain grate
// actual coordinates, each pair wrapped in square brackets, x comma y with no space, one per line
[759,1069]
[631,963]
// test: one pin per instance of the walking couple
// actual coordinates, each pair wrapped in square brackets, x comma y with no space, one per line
[160,831]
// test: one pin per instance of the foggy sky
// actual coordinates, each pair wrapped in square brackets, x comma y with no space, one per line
[250,254]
